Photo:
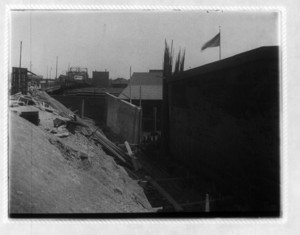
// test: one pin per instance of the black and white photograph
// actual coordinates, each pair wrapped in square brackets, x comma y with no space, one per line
[145,114]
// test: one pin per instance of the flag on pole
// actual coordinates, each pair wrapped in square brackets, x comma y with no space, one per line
[214,42]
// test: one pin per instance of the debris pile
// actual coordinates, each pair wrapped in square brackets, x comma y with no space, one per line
[62,163]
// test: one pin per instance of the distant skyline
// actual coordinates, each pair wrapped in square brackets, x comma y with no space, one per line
[114,41]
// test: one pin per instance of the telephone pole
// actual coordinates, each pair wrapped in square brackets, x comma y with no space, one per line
[220,43]
[20,54]
[56,67]
[19,82]
[130,84]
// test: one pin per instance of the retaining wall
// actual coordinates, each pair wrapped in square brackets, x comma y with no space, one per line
[123,118]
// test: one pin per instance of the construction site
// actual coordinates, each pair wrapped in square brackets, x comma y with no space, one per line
[168,142]
[77,162]
[71,167]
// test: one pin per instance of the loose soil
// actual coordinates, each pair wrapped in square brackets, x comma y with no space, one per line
[48,174]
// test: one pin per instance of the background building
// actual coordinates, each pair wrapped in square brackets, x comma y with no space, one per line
[145,89]
[100,79]
[119,83]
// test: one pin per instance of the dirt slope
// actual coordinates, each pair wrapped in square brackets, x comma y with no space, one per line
[48,174]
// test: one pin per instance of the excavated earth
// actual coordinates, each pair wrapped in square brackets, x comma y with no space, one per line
[49,174]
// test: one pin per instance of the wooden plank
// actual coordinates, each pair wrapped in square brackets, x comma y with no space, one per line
[156,209]
[128,148]
[111,147]
[176,179]
[110,144]
[207,203]
[110,150]
[167,196]
[133,159]
[192,203]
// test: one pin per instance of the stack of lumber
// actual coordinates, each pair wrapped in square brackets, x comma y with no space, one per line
[112,149]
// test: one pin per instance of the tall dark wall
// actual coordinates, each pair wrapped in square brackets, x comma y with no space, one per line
[224,122]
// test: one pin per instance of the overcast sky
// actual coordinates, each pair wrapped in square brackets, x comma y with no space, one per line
[117,40]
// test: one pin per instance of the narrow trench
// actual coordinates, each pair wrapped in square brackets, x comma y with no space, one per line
[188,188]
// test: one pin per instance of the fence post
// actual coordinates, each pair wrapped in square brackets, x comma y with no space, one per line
[165,120]
[207,206]
[140,125]
[155,118]
[82,108]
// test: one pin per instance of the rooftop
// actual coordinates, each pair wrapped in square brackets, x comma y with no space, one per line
[148,92]
[144,85]
[148,78]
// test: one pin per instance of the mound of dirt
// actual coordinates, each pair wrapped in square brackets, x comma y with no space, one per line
[48,174]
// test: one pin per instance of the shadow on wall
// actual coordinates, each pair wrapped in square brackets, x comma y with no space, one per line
[224,122]
[94,107]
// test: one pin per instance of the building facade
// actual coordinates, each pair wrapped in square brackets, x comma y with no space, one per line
[100,79]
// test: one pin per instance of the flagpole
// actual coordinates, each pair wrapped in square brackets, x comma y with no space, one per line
[220,43]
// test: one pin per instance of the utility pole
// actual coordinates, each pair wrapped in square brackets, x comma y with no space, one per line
[47,71]
[20,54]
[30,65]
[130,84]
[56,67]
[140,94]
[220,43]
[19,82]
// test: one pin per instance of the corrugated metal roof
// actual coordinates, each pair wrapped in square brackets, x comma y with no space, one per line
[148,92]
[154,78]
[150,83]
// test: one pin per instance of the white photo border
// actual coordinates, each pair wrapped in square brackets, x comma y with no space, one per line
[283,115]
